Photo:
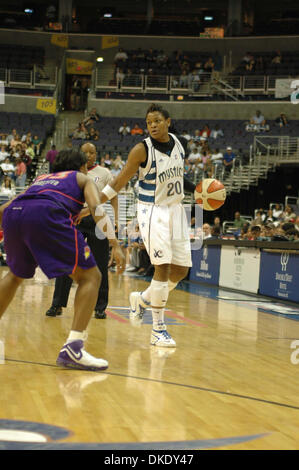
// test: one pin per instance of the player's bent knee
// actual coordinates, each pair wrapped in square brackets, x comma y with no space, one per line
[92,275]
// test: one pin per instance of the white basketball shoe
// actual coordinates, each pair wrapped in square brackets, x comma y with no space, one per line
[162,338]
[137,307]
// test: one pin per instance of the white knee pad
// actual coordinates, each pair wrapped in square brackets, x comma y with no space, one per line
[159,293]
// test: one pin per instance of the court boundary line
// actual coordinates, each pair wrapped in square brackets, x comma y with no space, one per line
[166,382]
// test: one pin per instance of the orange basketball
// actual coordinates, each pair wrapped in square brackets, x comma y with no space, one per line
[210,193]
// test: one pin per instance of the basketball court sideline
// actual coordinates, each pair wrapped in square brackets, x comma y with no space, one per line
[231,383]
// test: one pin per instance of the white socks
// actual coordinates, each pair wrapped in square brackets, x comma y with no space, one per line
[75,335]
[159,296]
[156,295]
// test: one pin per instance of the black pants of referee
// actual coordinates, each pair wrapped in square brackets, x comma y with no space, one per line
[100,251]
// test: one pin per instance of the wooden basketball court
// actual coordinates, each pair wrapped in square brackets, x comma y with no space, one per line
[231,383]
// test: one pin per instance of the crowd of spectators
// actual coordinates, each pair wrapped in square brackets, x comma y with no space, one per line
[277,224]
[18,160]
[269,63]
[186,67]
[205,160]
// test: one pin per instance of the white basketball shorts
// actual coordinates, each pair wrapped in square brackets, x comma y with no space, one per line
[165,233]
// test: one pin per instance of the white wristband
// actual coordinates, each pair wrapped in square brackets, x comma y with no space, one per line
[109,192]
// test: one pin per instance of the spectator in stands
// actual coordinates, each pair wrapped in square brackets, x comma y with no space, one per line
[11,136]
[8,168]
[207,163]
[254,233]
[217,223]
[250,66]
[76,94]
[119,75]
[117,165]
[282,120]
[205,132]
[186,135]
[239,221]
[15,141]
[124,129]
[194,156]
[21,173]
[30,151]
[137,130]
[80,132]
[184,79]
[51,156]
[297,223]
[93,135]
[258,123]
[267,232]
[293,235]
[217,159]
[269,217]
[194,80]
[247,57]
[27,138]
[3,153]
[7,189]
[259,218]
[243,232]
[206,231]
[209,65]
[196,135]
[215,232]
[121,56]
[277,212]
[288,214]
[228,159]
[277,59]
[216,132]
[37,144]
[92,118]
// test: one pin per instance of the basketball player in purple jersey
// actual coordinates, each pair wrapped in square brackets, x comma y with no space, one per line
[39,231]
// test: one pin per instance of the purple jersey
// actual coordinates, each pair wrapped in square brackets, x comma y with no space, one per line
[61,188]
[39,229]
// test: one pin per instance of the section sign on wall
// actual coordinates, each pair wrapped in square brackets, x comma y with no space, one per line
[279,275]
[240,268]
[206,263]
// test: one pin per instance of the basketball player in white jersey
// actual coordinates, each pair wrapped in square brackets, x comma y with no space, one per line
[159,159]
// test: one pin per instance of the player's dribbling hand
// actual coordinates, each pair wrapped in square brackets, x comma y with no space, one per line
[119,259]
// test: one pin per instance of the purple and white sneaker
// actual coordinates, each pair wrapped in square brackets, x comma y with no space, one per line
[73,356]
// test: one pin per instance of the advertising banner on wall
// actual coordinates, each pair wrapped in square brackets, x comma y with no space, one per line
[206,263]
[240,268]
[279,275]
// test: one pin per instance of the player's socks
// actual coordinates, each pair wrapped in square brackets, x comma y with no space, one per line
[75,335]
[146,296]
[159,296]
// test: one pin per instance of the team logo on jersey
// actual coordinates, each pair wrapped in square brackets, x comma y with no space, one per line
[158,253]
[86,252]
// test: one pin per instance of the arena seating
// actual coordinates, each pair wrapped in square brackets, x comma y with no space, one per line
[39,124]
[235,134]
[21,57]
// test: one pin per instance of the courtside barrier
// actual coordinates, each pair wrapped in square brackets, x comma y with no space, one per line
[267,268]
